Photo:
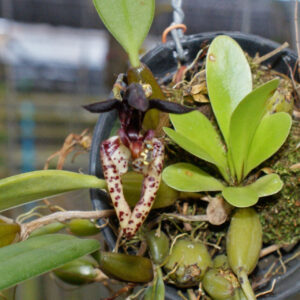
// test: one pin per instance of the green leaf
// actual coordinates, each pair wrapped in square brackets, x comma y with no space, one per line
[244,122]
[267,185]
[156,291]
[243,196]
[188,178]
[228,78]
[188,145]
[128,21]
[248,195]
[27,187]
[269,137]
[160,286]
[195,134]
[149,293]
[38,255]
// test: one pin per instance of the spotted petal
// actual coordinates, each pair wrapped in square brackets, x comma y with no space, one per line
[150,187]
[115,157]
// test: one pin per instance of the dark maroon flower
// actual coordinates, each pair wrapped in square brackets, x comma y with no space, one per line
[132,110]
[145,152]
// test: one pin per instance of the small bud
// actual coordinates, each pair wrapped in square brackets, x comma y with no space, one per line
[83,227]
[125,267]
[78,272]
[221,262]
[158,246]
[220,284]
[47,229]
[132,185]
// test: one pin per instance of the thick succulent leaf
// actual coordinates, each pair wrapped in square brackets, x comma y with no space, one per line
[243,196]
[228,78]
[188,145]
[128,21]
[27,187]
[248,195]
[267,185]
[188,178]
[269,137]
[196,134]
[244,122]
[38,255]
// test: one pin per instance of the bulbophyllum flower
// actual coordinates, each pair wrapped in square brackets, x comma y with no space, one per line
[132,145]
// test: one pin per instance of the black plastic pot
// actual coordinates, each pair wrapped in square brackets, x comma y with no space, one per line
[161,61]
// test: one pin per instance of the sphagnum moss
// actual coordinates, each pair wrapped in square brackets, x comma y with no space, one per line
[280,216]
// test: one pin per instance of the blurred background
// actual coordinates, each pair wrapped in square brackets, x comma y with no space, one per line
[55,56]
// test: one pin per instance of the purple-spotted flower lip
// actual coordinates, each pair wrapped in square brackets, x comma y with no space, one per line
[132,109]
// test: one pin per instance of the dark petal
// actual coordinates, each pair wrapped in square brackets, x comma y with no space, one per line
[169,107]
[103,106]
[136,97]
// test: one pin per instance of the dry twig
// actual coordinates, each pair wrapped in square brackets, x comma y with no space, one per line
[189,218]
[268,250]
[259,60]
[268,291]
[121,291]
[62,216]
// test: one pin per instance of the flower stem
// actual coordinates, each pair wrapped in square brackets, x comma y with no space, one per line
[134,59]
[245,284]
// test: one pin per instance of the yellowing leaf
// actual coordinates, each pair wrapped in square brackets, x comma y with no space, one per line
[8,233]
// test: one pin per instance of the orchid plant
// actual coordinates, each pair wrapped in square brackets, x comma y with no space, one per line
[250,134]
